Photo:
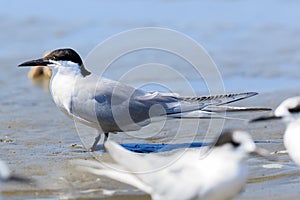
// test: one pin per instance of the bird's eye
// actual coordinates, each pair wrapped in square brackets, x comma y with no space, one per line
[294,109]
[235,144]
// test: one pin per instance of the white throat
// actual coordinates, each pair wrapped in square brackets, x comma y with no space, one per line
[67,68]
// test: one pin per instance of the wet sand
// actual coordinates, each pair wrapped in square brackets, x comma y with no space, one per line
[41,149]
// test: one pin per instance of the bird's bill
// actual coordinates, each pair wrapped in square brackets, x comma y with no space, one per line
[265,118]
[38,62]
[260,152]
[17,178]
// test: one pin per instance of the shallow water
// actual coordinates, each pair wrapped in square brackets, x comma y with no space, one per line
[255,49]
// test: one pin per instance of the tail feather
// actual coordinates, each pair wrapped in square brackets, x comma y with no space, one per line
[219,99]
[200,114]
[188,104]
[222,109]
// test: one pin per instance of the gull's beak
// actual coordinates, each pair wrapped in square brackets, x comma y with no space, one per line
[265,118]
[38,62]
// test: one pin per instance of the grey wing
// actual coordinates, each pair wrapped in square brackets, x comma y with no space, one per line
[174,104]
[103,103]
[139,102]
[112,105]
[117,106]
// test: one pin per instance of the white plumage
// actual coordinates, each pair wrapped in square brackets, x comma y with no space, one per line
[289,112]
[221,174]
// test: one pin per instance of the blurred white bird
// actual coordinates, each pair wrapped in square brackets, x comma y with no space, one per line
[111,106]
[289,112]
[220,175]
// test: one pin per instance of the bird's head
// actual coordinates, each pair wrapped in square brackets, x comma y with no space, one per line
[239,141]
[60,59]
[288,111]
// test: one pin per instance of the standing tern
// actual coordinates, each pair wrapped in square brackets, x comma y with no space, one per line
[220,175]
[289,112]
[110,106]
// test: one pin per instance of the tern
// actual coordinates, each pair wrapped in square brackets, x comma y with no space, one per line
[221,174]
[289,112]
[110,106]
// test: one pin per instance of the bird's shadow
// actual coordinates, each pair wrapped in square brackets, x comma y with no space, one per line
[154,148]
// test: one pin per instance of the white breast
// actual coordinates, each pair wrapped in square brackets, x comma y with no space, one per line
[292,141]
[65,89]
[61,88]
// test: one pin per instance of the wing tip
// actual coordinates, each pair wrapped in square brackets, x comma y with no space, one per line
[246,94]
[250,94]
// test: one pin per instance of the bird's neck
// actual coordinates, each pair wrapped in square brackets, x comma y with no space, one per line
[78,71]
[84,72]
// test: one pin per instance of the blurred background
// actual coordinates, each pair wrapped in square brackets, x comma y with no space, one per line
[249,39]
[255,44]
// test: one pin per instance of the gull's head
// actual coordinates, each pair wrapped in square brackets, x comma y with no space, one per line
[61,59]
[288,110]
[240,142]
